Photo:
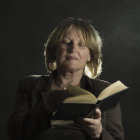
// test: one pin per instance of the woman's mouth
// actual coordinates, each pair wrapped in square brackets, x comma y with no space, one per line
[72,57]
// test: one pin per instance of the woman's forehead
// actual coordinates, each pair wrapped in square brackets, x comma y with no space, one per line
[73,29]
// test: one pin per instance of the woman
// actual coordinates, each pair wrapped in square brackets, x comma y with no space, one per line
[72,55]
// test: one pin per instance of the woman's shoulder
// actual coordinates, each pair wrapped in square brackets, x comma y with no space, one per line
[98,81]
[96,85]
[37,81]
[33,78]
[101,82]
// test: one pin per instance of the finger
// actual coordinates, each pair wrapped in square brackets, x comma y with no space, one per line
[97,113]
[89,121]
[57,96]
[91,114]
[60,96]
[64,94]
[85,121]
[87,126]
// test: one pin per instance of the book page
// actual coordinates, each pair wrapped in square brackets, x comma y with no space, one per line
[85,99]
[112,89]
[79,95]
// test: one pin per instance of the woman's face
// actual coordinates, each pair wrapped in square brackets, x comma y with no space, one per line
[72,54]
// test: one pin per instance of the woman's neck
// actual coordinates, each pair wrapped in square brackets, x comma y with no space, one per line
[65,78]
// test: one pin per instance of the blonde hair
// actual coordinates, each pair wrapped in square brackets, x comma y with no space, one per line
[92,40]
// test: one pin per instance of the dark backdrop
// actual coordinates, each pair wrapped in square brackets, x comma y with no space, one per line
[25,25]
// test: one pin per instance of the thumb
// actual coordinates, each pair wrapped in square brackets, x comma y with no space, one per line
[97,113]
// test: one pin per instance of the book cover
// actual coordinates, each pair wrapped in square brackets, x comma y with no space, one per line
[83,103]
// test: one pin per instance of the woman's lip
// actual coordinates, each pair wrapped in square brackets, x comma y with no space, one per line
[72,57]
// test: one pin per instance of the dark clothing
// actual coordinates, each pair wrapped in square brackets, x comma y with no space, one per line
[30,117]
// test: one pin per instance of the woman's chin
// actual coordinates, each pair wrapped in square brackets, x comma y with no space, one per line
[72,68]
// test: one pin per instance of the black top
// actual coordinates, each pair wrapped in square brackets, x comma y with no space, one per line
[30,117]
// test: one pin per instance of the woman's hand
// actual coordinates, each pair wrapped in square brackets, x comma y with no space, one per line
[53,99]
[92,126]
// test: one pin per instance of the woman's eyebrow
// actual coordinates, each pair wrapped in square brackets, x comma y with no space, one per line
[66,38]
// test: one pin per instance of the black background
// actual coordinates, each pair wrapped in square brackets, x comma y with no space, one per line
[26,24]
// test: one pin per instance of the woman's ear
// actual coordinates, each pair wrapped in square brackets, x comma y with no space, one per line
[89,55]
[89,58]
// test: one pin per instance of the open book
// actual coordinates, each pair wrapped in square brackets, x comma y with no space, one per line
[82,102]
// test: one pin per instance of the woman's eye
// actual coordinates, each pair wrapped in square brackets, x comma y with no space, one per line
[81,45]
[67,42]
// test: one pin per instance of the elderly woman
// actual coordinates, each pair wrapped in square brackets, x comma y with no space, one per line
[72,57]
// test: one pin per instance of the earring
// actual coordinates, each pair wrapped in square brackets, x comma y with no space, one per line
[89,58]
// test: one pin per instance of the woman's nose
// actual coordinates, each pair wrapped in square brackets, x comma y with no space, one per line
[73,47]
